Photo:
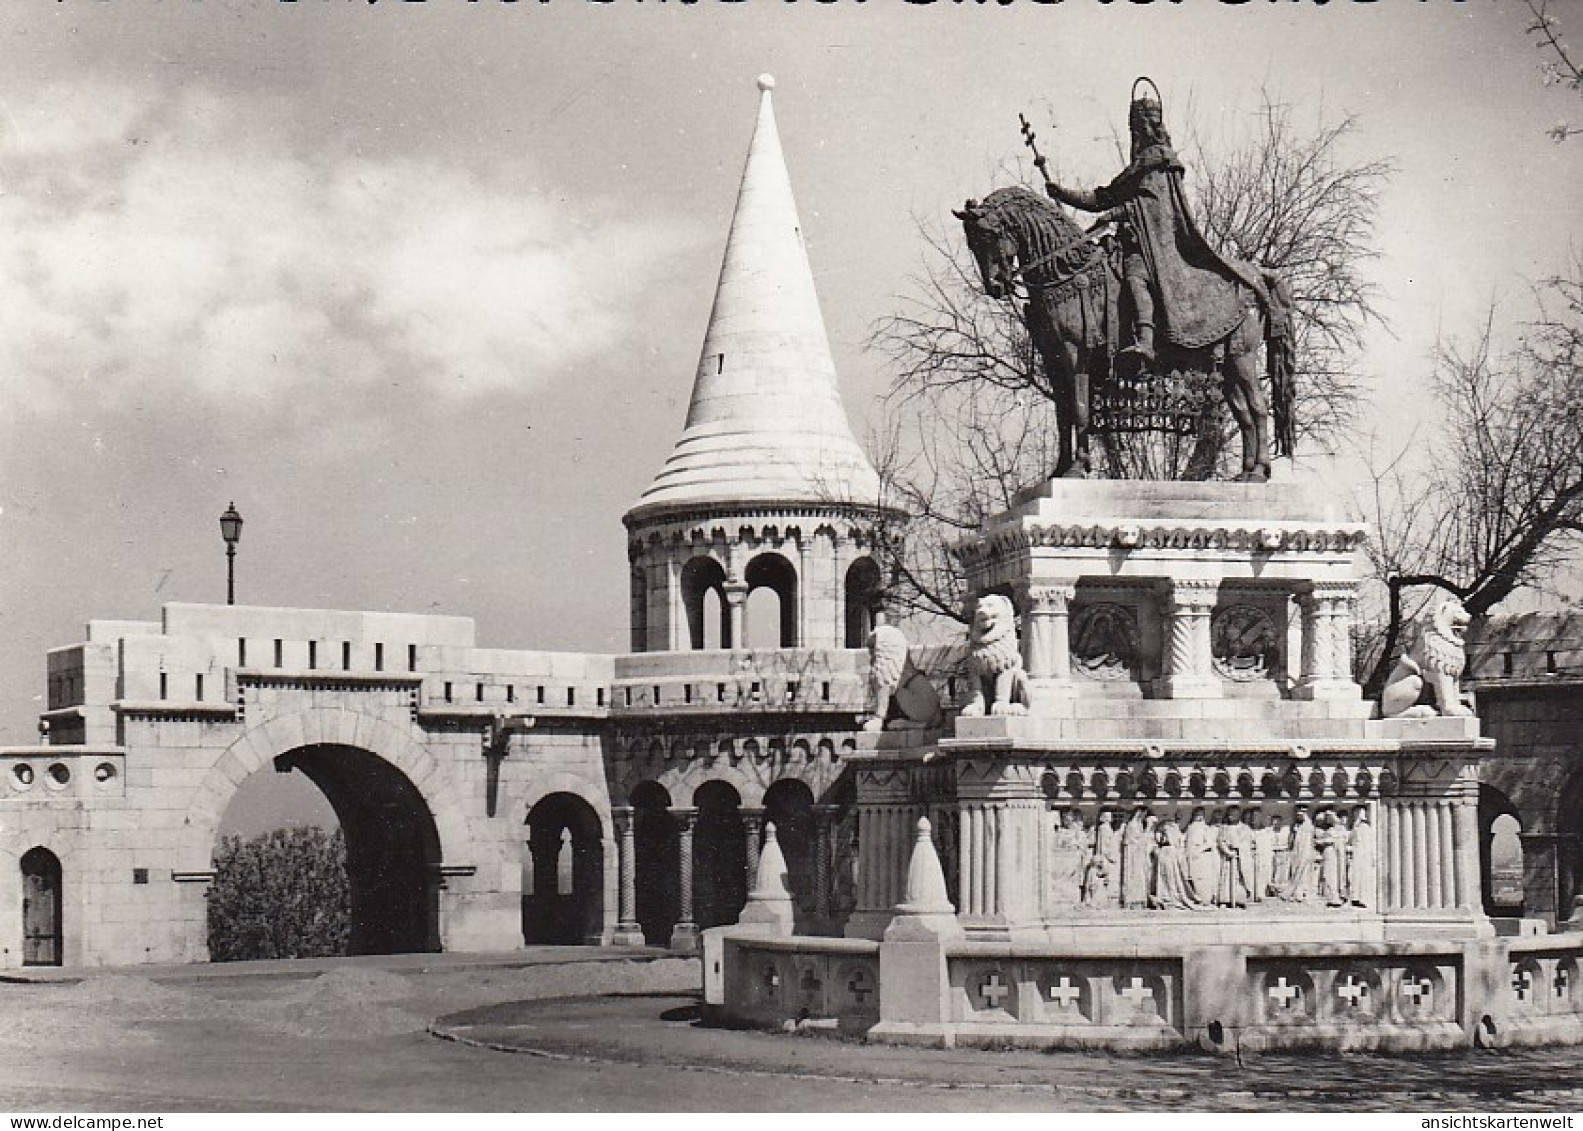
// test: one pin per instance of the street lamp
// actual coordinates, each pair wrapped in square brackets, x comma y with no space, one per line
[231,531]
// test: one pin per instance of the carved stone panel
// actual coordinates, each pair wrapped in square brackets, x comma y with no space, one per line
[1245,643]
[1104,640]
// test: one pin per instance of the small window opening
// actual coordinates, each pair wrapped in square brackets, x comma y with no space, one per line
[140,875]
[241,652]
[656,695]
[824,691]
[687,693]
[447,691]
[791,691]
[599,697]
[379,657]
[197,687]
[541,693]
[346,655]
[280,653]
[720,364]
[511,693]
[480,692]
[313,654]
[627,693]
[720,693]
[1506,663]
[571,696]
[163,684]
[412,657]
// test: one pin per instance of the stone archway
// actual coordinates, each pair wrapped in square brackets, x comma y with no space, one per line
[402,818]
[392,847]
[563,887]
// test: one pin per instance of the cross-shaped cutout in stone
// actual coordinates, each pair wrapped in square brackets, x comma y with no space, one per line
[860,985]
[1560,984]
[811,984]
[1285,994]
[1138,992]
[1417,990]
[1522,983]
[1352,990]
[1064,993]
[772,979]
[993,990]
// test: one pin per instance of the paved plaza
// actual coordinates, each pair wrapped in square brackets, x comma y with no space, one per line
[355,1034]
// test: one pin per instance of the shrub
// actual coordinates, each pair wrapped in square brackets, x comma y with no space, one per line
[280,895]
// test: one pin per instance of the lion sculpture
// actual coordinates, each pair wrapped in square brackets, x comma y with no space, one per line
[1435,656]
[1000,685]
[900,697]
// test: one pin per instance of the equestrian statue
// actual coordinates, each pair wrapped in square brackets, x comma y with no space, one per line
[1125,322]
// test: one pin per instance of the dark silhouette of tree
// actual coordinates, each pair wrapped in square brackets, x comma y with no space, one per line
[1500,506]
[280,895]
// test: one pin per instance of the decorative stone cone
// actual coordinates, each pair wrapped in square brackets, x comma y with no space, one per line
[766,422]
[925,915]
[770,901]
[925,878]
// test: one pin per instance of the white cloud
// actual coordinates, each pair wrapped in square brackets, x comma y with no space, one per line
[190,245]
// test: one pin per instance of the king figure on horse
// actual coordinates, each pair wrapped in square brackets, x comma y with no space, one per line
[1187,308]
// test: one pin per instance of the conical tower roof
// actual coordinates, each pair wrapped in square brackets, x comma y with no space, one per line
[765,424]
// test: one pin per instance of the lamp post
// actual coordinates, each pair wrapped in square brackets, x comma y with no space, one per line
[231,531]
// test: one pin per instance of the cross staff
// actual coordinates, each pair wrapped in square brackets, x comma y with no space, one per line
[1029,138]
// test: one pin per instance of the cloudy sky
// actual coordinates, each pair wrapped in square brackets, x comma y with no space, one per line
[421,286]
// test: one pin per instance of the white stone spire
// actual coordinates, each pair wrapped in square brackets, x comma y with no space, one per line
[765,423]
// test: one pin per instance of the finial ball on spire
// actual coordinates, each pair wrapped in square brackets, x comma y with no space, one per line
[766,82]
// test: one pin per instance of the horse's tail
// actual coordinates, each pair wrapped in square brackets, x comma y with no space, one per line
[1281,362]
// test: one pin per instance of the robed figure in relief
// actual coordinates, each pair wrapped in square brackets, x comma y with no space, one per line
[1203,864]
[1068,854]
[1301,887]
[1171,891]
[1363,877]
[1235,845]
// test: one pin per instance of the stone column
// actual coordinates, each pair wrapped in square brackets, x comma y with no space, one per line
[685,935]
[1465,834]
[1327,609]
[736,594]
[1189,666]
[628,931]
[1047,643]
[752,832]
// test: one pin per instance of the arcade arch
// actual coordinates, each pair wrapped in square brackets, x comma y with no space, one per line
[563,881]
[862,593]
[719,855]
[703,582]
[657,858]
[772,602]
[789,806]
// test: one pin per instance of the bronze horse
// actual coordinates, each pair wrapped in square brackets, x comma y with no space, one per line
[1073,289]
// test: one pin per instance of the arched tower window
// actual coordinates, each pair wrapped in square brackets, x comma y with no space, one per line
[708,621]
[771,573]
[862,604]
[42,938]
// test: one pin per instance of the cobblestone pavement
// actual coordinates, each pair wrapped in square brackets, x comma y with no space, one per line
[351,1035]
